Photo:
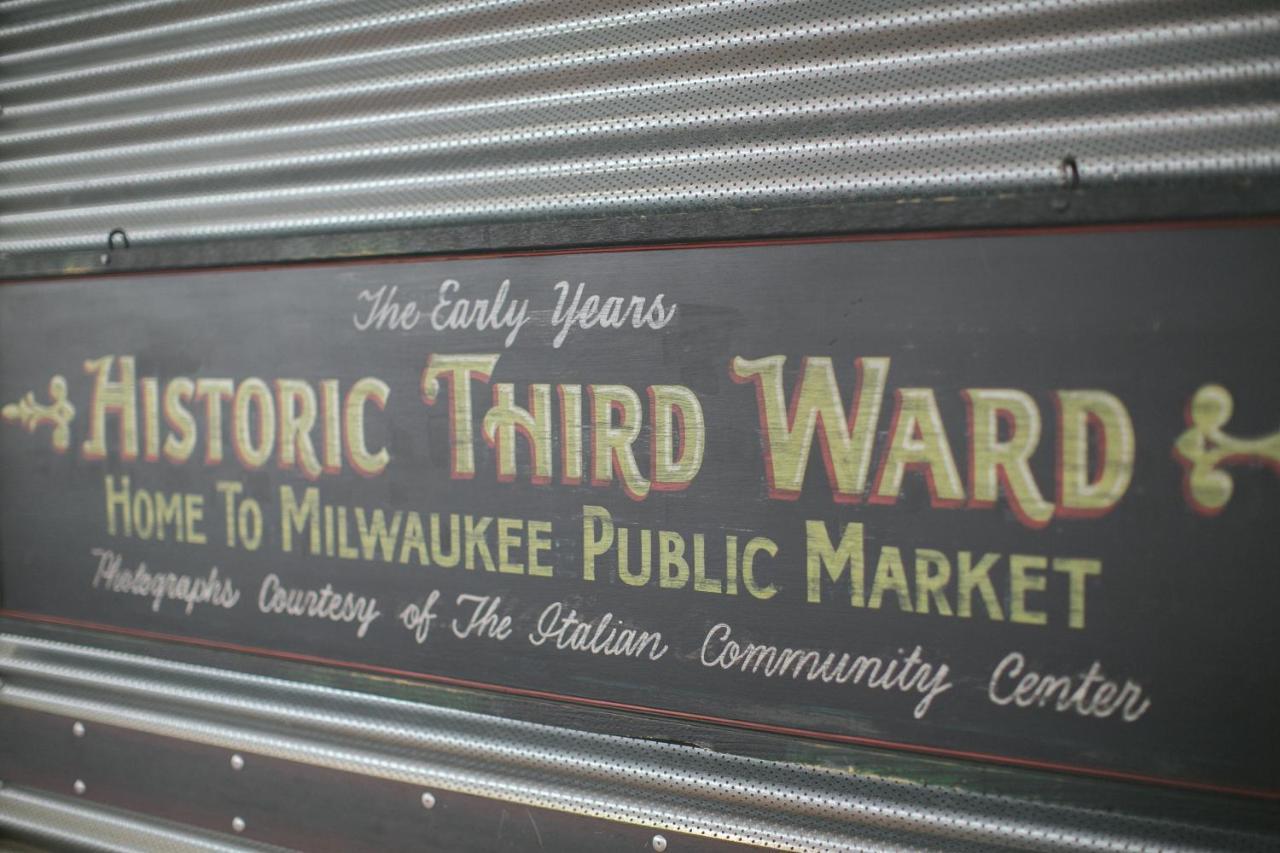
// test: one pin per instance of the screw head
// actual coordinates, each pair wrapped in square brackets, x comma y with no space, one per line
[237,762]
[428,800]
[237,824]
[78,787]
[77,728]
[659,843]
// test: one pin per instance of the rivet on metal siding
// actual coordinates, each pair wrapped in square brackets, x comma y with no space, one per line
[659,843]
[78,787]
[77,728]
[237,824]
[428,800]
[237,763]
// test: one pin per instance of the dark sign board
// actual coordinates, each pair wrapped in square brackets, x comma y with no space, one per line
[1004,496]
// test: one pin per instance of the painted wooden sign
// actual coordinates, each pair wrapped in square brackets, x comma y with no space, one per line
[1006,496]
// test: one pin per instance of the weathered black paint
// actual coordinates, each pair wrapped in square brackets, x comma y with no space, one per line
[1183,606]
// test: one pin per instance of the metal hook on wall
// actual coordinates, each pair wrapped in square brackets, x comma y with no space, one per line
[117,239]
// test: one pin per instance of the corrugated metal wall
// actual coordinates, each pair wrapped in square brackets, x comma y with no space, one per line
[705,794]
[180,120]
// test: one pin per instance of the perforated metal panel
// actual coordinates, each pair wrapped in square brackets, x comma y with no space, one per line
[181,120]
[662,787]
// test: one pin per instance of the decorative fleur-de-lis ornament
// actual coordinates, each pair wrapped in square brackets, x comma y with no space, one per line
[59,412]
[1204,447]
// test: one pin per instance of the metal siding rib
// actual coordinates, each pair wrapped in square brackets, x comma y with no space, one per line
[77,826]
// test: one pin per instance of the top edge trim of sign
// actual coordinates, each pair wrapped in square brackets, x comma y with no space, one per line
[1262,221]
